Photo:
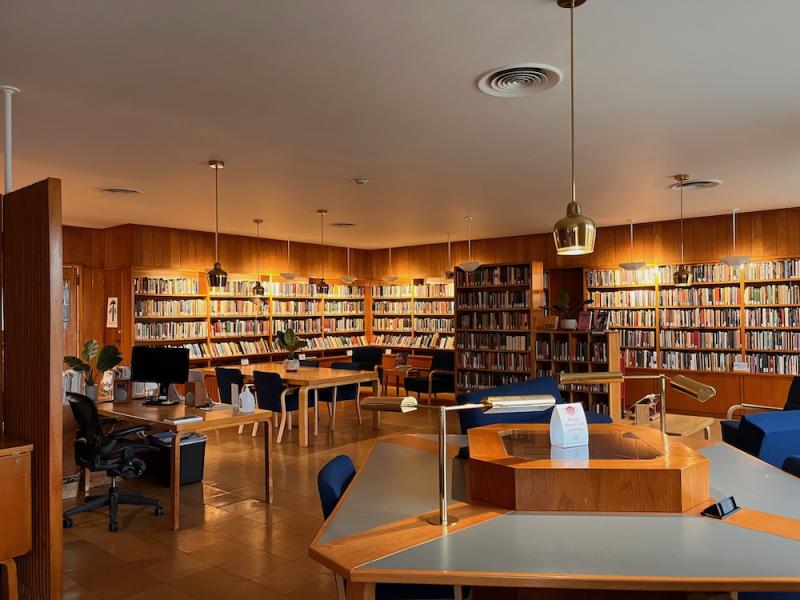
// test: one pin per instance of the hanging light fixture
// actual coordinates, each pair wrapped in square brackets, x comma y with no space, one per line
[289,274]
[258,288]
[682,277]
[736,260]
[390,278]
[217,277]
[449,273]
[322,286]
[470,265]
[573,234]
[349,279]
[632,265]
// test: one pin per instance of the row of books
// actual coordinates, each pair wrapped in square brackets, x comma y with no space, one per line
[392,324]
[243,348]
[494,299]
[499,275]
[637,338]
[341,341]
[352,307]
[623,298]
[168,330]
[492,341]
[788,268]
[197,350]
[169,308]
[641,358]
[632,318]
[697,361]
[165,285]
[295,307]
[773,340]
[492,320]
[236,287]
[231,327]
[700,317]
[434,290]
[476,380]
[787,316]
[391,307]
[494,361]
[782,364]
[728,339]
[239,307]
[619,277]
[423,341]
[433,324]
[303,326]
[702,295]
[710,273]
[772,294]
[392,291]
[437,307]
[342,324]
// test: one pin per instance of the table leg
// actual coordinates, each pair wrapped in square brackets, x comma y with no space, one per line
[302,435]
[360,591]
[376,415]
[268,461]
[12,586]
[175,482]
[707,432]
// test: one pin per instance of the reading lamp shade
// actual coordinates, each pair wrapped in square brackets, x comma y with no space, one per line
[217,277]
[575,233]
[682,277]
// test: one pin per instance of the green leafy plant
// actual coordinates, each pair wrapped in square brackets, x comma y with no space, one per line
[289,341]
[94,361]
[565,308]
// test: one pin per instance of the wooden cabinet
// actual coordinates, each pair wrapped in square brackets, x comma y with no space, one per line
[15,507]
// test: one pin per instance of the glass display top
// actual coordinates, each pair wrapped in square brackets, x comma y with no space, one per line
[603,445]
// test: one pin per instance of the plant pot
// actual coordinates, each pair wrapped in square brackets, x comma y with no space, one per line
[291,364]
[90,391]
[569,324]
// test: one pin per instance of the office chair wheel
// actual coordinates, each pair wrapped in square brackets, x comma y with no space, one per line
[158,511]
[112,527]
[68,523]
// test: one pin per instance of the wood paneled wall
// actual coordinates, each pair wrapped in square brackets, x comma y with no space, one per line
[32,377]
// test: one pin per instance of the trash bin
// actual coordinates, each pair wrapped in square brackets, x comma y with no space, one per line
[193,455]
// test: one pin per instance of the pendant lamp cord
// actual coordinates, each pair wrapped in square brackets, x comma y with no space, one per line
[449,253]
[216,214]
[258,262]
[572,94]
[734,232]
[681,184]
[631,241]
[322,240]
[469,238]
[289,253]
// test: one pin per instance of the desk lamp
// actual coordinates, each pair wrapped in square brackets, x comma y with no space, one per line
[489,405]
[694,389]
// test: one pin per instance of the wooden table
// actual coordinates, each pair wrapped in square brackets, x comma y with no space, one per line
[310,378]
[683,425]
[153,416]
[15,507]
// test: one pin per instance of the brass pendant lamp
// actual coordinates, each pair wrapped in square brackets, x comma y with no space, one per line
[258,287]
[574,234]
[632,265]
[217,277]
[322,286]
[682,277]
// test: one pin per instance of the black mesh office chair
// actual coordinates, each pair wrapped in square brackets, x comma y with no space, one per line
[109,452]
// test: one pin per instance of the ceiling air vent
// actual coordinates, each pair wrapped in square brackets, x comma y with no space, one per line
[696,184]
[342,224]
[519,80]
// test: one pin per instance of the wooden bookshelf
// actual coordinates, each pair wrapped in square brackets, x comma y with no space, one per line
[559,351]
[495,308]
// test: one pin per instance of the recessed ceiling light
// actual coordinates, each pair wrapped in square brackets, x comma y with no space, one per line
[342,224]
[360,180]
[519,80]
[119,190]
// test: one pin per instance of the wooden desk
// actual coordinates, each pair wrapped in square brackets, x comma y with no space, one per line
[683,425]
[153,416]
[309,378]
[15,507]
[557,551]
[397,373]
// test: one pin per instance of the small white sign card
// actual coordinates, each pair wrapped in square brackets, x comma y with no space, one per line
[568,426]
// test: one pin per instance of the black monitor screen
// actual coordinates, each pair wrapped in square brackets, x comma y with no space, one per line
[155,364]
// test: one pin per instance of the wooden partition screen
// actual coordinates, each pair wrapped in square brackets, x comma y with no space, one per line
[32,373]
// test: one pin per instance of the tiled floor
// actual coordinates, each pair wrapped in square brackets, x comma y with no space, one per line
[231,544]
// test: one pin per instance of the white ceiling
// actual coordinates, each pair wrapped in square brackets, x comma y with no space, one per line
[299,96]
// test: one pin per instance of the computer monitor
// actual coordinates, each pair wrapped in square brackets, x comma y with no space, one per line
[161,365]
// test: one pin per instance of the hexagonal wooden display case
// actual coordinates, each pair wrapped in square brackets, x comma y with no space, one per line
[624,469]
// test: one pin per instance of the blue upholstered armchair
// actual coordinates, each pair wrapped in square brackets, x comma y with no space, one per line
[730,426]
[540,385]
[440,379]
[770,436]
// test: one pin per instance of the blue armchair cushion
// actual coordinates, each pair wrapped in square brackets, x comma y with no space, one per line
[539,385]
[772,436]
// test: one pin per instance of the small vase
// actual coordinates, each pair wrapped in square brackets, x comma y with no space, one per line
[91,392]
[291,364]
[569,324]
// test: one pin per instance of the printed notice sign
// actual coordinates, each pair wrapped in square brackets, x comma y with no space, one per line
[568,426]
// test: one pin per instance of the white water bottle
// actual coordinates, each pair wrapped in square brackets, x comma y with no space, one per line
[247,402]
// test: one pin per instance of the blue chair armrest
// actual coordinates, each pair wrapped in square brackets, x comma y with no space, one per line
[770,436]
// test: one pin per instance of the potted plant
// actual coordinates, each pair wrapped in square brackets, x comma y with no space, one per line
[567,310]
[289,341]
[93,362]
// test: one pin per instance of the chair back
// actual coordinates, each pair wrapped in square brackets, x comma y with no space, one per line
[89,437]
[309,363]
[793,397]
[225,379]
[347,392]
[370,356]
[332,481]
[443,360]
[268,390]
